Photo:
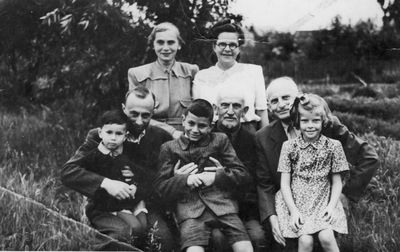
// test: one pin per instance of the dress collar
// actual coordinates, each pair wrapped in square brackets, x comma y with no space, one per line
[159,71]
[103,149]
[227,71]
[185,143]
[316,145]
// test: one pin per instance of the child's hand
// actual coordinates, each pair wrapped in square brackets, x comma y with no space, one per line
[296,220]
[217,166]
[194,181]
[190,168]
[329,214]
[132,190]
[208,178]
[127,174]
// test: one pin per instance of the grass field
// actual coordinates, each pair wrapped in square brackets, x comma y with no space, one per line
[34,143]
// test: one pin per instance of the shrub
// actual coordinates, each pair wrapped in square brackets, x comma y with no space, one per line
[366,92]
[375,218]
[361,124]
[386,109]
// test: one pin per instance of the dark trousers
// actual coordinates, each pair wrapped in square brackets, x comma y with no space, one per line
[254,230]
[118,229]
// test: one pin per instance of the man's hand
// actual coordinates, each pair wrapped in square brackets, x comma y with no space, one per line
[117,189]
[217,166]
[345,202]
[208,178]
[194,180]
[190,168]
[273,220]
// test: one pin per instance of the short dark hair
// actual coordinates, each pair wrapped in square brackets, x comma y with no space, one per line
[201,108]
[140,92]
[227,25]
[113,117]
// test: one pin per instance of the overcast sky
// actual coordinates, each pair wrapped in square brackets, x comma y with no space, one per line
[293,15]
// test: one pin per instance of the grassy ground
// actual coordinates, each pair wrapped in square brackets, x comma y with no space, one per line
[34,145]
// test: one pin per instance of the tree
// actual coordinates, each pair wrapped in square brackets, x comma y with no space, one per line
[52,49]
[391,13]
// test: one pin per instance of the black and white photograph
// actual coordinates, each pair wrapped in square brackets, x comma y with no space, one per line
[200,125]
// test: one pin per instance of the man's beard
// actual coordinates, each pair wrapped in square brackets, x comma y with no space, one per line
[228,126]
[135,129]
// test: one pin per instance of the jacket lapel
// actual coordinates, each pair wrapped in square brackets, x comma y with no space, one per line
[277,138]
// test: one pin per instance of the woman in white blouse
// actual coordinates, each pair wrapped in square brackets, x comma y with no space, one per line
[227,73]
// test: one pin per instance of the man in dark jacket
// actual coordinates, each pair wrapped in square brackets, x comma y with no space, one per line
[145,147]
[231,109]
[281,94]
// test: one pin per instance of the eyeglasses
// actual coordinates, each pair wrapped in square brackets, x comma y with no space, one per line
[223,45]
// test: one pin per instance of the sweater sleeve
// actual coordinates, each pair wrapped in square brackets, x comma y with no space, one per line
[359,153]
[234,173]
[75,175]
[168,185]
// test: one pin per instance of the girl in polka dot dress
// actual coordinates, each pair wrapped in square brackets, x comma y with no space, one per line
[311,166]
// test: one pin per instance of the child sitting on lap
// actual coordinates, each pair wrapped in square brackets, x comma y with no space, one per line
[203,200]
[311,166]
[126,210]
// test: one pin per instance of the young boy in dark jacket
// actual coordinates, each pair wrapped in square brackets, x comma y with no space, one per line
[203,200]
[110,161]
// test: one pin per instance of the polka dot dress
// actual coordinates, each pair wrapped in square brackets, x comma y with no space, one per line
[311,165]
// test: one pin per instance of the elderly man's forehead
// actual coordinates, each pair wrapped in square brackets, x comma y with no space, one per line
[230,97]
[280,87]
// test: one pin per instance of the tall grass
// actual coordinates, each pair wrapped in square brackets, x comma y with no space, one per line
[375,219]
[34,145]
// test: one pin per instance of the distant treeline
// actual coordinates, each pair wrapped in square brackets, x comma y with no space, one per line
[334,55]
[54,49]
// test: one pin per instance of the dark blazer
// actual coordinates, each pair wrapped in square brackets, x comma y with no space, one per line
[111,167]
[243,141]
[143,155]
[191,203]
[269,140]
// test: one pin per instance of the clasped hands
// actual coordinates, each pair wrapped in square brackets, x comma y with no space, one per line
[118,189]
[195,179]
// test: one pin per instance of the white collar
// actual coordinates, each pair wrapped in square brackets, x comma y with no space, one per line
[103,149]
